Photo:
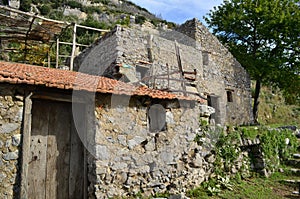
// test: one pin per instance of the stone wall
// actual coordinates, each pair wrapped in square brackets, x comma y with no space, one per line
[129,157]
[95,59]
[135,45]
[218,73]
[132,159]
[222,73]
[11,114]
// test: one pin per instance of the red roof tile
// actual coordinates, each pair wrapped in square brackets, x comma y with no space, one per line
[16,73]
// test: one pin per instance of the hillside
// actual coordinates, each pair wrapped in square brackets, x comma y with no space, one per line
[273,109]
[100,13]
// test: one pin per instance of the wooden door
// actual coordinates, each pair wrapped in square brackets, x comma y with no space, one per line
[56,168]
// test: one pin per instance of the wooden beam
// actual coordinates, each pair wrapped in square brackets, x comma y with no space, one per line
[90,28]
[63,97]
[26,38]
[180,67]
[67,43]
[26,145]
[73,47]
[32,15]
[57,52]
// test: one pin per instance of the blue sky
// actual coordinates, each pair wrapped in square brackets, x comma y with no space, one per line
[179,11]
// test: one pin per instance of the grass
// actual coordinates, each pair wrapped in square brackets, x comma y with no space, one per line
[252,188]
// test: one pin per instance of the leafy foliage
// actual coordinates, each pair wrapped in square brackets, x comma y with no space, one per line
[277,146]
[264,37]
[45,9]
[25,5]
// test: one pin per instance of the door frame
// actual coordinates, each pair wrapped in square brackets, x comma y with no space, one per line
[26,137]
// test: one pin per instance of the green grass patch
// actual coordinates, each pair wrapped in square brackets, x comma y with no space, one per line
[251,188]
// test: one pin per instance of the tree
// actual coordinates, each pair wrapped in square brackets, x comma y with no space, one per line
[264,36]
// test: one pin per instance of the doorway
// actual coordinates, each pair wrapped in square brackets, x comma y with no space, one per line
[57,165]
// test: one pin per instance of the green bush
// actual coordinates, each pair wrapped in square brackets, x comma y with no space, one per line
[140,19]
[74,4]
[45,9]
[25,5]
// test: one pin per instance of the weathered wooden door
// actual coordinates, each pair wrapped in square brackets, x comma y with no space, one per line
[56,168]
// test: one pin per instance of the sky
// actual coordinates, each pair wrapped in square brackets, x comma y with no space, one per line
[178,11]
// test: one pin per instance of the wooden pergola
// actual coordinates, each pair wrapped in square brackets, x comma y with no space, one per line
[31,29]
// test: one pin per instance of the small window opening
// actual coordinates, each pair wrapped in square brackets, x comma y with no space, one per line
[141,72]
[229,96]
[157,118]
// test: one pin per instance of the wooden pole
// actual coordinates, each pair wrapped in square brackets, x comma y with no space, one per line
[73,48]
[168,70]
[57,52]
[149,48]
[26,145]
[49,58]
[180,67]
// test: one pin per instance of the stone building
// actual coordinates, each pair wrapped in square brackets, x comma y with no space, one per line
[66,134]
[162,59]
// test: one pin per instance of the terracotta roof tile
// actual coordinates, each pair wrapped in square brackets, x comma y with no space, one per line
[16,73]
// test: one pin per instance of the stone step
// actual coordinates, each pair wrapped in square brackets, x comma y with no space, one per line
[296,155]
[293,162]
[291,181]
[294,171]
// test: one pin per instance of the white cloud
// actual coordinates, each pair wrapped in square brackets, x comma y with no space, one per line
[179,11]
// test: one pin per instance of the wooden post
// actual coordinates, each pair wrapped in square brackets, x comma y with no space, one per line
[180,67]
[168,70]
[73,48]
[57,52]
[49,58]
[149,48]
[26,145]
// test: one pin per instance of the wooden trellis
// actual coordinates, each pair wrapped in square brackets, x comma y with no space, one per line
[33,30]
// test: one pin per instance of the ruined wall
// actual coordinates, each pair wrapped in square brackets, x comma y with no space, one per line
[218,73]
[222,73]
[11,114]
[135,45]
[95,59]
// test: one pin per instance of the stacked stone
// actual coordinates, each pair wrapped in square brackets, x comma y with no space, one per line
[131,159]
[11,112]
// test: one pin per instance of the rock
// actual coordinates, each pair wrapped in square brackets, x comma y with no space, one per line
[121,177]
[119,166]
[11,156]
[16,140]
[170,118]
[102,152]
[210,158]
[122,140]
[2,177]
[197,161]
[9,127]
[19,97]
[292,128]
[8,143]
[167,157]
[206,111]
[19,116]
[135,141]
[150,146]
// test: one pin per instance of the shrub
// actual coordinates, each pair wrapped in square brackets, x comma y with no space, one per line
[140,19]
[45,9]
